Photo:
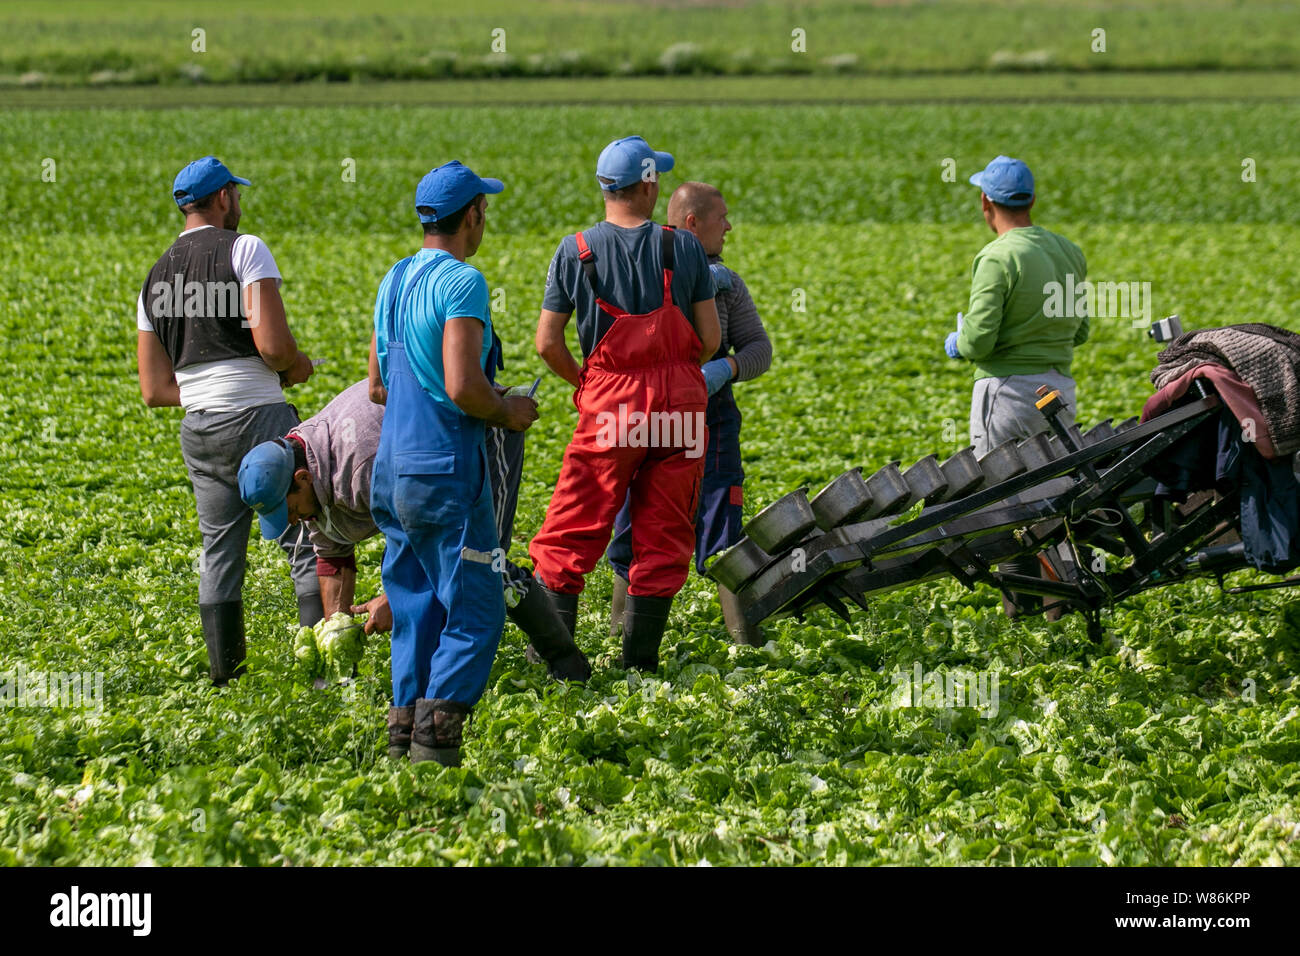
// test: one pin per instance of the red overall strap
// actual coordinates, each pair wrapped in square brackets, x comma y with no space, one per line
[587,259]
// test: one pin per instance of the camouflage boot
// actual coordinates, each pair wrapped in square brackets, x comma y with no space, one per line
[400,720]
[437,731]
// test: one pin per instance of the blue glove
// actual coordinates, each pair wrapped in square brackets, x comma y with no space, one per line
[950,345]
[716,374]
[721,277]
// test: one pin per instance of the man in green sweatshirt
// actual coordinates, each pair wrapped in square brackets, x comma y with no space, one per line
[1014,342]
[1013,338]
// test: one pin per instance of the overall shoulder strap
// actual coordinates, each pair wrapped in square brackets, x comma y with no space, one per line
[666,249]
[587,259]
[394,287]
[410,286]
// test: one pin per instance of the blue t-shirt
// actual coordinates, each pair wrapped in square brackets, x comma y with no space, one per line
[449,290]
[629,275]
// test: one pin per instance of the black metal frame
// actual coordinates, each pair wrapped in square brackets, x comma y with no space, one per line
[1060,503]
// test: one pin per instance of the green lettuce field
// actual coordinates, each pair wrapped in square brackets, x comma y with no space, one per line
[1176,741]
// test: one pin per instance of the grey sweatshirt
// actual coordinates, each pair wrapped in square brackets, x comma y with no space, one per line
[742,330]
[341,442]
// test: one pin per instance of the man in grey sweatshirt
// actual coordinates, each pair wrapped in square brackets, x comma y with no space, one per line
[334,454]
[745,353]
[320,473]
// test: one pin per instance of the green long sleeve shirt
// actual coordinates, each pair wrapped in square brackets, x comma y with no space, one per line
[1011,327]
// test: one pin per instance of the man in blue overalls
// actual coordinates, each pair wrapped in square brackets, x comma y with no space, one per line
[437,354]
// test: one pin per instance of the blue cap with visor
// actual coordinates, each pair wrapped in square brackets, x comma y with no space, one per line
[202,178]
[1006,181]
[449,187]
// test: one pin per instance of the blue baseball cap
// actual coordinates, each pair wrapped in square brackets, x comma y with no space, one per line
[202,178]
[626,161]
[265,476]
[450,187]
[1007,181]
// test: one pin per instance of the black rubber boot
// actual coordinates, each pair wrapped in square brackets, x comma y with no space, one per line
[617,605]
[741,631]
[400,721]
[536,616]
[566,605]
[643,629]
[310,609]
[223,633]
[437,730]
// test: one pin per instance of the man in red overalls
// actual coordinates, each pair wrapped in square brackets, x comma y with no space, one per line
[640,395]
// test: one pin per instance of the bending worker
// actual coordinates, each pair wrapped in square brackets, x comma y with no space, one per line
[700,210]
[320,472]
[437,353]
[1015,344]
[213,339]
[641,397]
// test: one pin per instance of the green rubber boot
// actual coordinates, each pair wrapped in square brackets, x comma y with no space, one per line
[617,606]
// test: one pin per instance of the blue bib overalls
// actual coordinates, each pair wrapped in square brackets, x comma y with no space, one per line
[432,499]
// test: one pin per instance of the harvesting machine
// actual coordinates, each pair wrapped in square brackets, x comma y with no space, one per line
[1082,502]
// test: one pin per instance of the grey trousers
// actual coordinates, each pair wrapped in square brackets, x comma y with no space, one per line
[1002,409]
[213,445]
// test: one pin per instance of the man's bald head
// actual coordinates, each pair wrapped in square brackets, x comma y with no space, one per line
[696,199]
[700,209]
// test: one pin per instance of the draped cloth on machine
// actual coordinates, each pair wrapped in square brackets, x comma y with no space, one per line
[1249,445]
[1263,357]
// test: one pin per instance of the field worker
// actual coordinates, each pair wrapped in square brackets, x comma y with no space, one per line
[213,339]
[641,396]
[700,209]
[320,472]
[1013,341]
[1006,333]
[437,354]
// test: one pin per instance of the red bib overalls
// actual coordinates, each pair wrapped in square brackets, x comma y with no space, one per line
[641,428]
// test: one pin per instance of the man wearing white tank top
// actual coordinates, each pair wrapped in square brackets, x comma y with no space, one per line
[212,338]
